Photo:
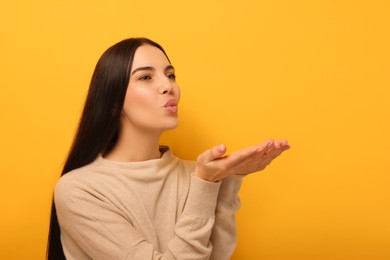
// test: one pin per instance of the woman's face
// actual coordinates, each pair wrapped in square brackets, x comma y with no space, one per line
[152,97]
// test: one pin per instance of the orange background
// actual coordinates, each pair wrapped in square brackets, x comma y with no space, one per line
[314,72]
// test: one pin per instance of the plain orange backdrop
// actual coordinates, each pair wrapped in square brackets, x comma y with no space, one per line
[314,72]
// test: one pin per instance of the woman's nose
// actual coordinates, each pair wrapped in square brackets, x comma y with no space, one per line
[166,86]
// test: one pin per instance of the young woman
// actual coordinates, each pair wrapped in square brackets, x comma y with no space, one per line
[121,194]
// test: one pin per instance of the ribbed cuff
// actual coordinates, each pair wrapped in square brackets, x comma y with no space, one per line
[229,189]
[202,198]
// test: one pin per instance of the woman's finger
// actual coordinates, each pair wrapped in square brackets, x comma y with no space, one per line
[250,154]
[266,145]
[260,161]
[212,154]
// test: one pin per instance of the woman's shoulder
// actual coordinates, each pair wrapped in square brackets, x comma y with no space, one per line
[73,178]
[74,181]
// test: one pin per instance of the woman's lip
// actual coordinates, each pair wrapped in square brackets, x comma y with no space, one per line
[171,103]
[171,106]
[171,109]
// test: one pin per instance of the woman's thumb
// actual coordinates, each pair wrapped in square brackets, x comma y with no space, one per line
[216,152]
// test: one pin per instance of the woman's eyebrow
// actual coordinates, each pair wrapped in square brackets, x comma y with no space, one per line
[143,68]
[169,67]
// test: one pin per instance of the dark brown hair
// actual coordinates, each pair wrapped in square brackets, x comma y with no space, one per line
[98,127]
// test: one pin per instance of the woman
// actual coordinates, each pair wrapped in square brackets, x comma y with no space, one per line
[121,194]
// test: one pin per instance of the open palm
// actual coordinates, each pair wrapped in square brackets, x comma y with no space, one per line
[214,165]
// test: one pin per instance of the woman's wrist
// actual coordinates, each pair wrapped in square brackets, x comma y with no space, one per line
[202,176]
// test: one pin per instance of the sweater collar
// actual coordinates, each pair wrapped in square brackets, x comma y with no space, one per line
[163,160]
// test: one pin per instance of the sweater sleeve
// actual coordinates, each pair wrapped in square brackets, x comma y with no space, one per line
[223,237]
[100,231]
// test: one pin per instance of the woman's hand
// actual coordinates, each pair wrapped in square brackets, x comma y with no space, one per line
[213,166]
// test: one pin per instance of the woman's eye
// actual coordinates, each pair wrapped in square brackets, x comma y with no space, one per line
[145,77]
[171,76]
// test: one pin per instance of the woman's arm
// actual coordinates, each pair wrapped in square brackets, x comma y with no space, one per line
[96,229]
[214,165]
[224,234]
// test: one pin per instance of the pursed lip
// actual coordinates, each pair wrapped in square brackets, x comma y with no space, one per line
[171,103]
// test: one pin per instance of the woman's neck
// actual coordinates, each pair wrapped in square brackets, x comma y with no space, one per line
[135,146]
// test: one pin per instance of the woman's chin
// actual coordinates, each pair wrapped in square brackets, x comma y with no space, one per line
[172,125]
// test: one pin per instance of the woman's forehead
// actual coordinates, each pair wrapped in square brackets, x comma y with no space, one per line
[148,55]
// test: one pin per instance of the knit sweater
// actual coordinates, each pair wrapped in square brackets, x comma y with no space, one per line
[154,209]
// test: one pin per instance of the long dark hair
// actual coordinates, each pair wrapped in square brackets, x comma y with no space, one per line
[99,124]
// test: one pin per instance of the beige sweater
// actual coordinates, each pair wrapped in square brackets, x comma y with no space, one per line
[153,209]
